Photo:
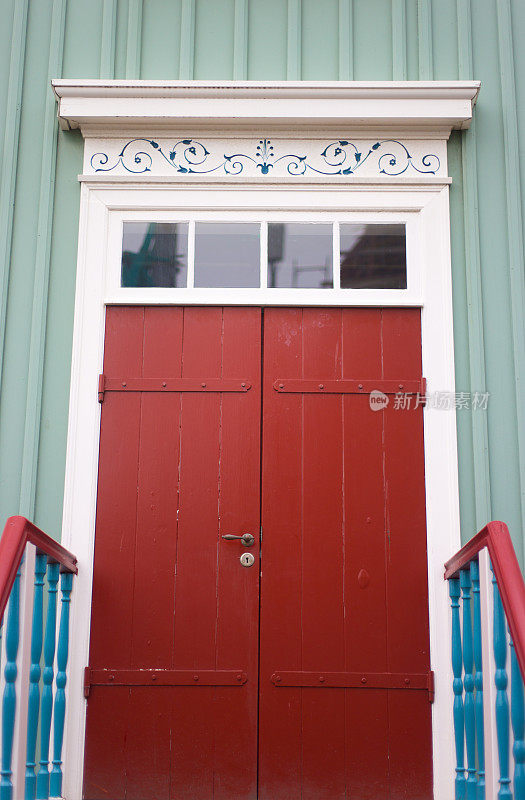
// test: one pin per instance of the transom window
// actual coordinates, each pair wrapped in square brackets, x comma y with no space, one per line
[266,254]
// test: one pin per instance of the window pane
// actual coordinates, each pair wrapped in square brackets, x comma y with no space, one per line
[227,254]
[300,255]
[155,254]
[373,256]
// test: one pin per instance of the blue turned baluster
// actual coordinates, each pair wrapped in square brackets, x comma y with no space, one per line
[33,703]
[478,679]
[468,683]
[55,783]
[42,781]
[502,701]
[457,668]
[517,712]
[9,700]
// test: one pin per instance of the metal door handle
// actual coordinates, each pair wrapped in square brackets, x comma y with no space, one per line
[247,538]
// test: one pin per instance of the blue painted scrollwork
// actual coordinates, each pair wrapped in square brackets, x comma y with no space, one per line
[341,157]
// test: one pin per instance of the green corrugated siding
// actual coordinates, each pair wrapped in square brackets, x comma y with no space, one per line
[261,39]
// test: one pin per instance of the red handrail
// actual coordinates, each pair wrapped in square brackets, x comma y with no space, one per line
[18,531]
[496,538]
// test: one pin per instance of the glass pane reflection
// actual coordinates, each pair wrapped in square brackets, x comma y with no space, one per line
[373,256]
[300,255]
[227,254]
[155,254]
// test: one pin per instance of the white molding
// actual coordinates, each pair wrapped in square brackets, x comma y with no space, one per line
[124,105]
[242,182]
[182,206]
[102,209]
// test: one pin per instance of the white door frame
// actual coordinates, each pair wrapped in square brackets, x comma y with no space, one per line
[360,150]
[426,210]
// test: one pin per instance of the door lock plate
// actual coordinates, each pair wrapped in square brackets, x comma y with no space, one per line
[247,560]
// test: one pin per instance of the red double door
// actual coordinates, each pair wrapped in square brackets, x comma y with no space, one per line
[306,674]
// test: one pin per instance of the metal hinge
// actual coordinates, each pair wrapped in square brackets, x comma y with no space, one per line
[420,681]
[431,690]
[161,677]
[167,385]
[415,386]
[87,680]
[101,387]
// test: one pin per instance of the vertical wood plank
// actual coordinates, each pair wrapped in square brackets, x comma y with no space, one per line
[192,770]
[42,267]
[112,604]
[157,493]
[187,40]
[280,712]
[410,734]
[367,756]
[294,41]
[10,156]
[134,39]
[476,349]
[346,40]
[239,511]
[108,39]
[117,506]
[240,40]
[399,40]
[514,224]
[323,542]
[424,28]
[155,562]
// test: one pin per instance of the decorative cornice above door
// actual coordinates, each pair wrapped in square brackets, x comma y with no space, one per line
[264,107]
[265,131]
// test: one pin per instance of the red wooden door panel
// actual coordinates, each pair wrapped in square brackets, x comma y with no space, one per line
[343,586]
[343,579]
[177,470]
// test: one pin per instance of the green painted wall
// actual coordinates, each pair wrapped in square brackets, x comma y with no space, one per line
[259,39]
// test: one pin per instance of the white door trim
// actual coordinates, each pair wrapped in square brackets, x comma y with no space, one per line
[102,207]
